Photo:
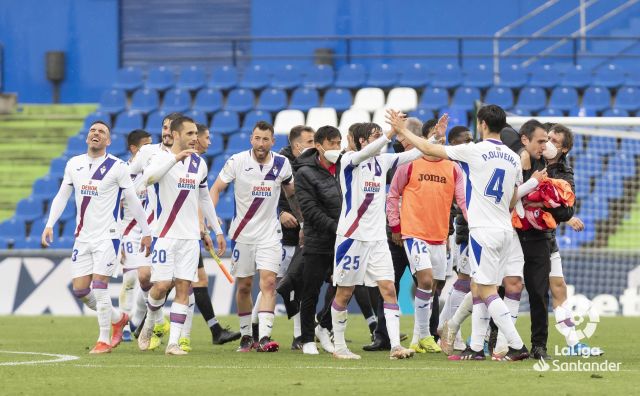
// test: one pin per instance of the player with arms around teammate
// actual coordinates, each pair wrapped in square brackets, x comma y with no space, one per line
[98,179]
[362,254]
[258,175]
[493,172]
[181,179]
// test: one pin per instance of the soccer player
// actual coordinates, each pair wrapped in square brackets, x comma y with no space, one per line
[428,182]
[258,175]
[219,335]
[131,233]
[180,177]
[493,172]
[97,178]
[361,252]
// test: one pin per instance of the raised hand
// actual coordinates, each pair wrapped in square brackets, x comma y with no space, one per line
[184,154]
[441,127]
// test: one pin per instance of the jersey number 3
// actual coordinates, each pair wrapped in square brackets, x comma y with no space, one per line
[494,187]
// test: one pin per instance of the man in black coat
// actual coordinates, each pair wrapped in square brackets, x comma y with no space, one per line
[318,192]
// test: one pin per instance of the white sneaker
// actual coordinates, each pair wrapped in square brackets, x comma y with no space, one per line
[309,348]
[174,349]
[345,354]
[145,338]
[325,339]
[401,352]
[448,338]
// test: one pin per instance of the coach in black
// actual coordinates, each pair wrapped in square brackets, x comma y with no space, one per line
[318,192]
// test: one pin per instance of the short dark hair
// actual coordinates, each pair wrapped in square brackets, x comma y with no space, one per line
[134,137]
[364,130]
[297,130]
[353,127]
[529,127]
[201,128]
[428,126]
[263,126]
[548,125]
[101,123]
[326,133]
[494,116]
[456,131]
[567,141]
[176,124]
[171,117]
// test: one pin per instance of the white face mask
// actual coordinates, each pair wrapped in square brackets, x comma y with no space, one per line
[331,155]
[550,151]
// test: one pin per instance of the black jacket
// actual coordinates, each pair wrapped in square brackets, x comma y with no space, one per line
[290,236]
[320,199]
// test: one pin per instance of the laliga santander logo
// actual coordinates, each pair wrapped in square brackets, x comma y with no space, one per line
[541,365]
[583,318]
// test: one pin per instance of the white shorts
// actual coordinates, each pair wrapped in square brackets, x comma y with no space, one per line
[461,257]
[133,257]
[514,265]
[174,259]
[361,262]
[488,256]
[247,258]
[98,257]
[424,256]
[287,255]
[556,265]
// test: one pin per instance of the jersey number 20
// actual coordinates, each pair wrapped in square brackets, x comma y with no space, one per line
[494,187]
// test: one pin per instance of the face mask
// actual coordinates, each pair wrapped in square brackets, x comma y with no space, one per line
[550,151]
[398,147]
[331,155]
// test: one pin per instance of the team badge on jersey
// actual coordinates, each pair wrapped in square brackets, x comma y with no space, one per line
[103,169]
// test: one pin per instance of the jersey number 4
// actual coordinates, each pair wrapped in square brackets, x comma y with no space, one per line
[494,187]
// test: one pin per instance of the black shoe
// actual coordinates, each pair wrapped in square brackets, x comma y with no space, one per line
[220,335]
[377,345]
[520,354]
[539,352]
[246,344]
[469,354]
[493,340]
[136,332]
[255,330]
[266,344]
[296,344]
[372,328]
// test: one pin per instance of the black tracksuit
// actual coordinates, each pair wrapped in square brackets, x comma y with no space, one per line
[290,236]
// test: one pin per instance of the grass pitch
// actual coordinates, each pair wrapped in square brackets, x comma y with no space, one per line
[219,370]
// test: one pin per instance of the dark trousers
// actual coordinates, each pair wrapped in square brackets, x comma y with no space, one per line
[400,263]
[315,271]
[537,266]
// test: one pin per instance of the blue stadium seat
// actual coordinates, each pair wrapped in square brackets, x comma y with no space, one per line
[588,165]
[456,117]
[434,98]
[622,164]
[578,238]
[127,122]
[223,77]
[113,101]
[609,76]
[500,96]
[563,98]
[69,229]
[414,75]
[29,209]
[448,76]
[609,186]
[318,76]
[255,77]
[129,78]
[596,99]
[76,145]
[252,118]
[192,78]
[423,114]
[544,77]
[272,99]
[532,99]
[119,146]
[145,100]
[338,98]
[615,112]
[464,98]
[597,209]
[286,77]
[199,117]
[93,117]
[56,169]
[577,77]
[583,186]
[240,100]
[478,76]
[520,112]
[225,122]
[550,112]
[226,207]
[219,162]
[304,98]
[578,144]
[238,142]
[382,76]
[176,100]
[628,98]
[217,144]
[68,215]
[602,145]
[27,243]
[633,78]
[281,142]
[160,78]
[208,100]
[630,146]
[512,76]
[351,76]
[13,229]
[154,121]
[45,188]
[582,112]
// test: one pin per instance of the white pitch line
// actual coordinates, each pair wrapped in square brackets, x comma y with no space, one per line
[58,358]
